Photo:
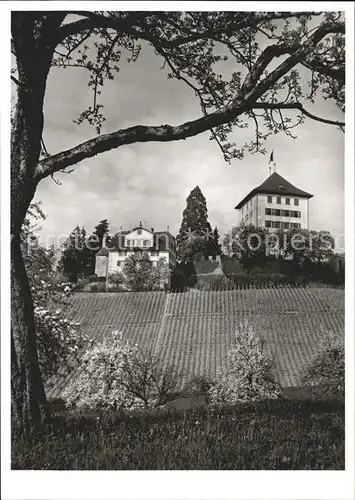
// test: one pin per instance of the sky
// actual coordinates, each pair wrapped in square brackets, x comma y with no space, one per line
[150,182]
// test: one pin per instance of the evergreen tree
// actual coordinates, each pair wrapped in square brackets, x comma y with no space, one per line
[95,242]
[216,247]
[195,235]
[75,256]
[102,230]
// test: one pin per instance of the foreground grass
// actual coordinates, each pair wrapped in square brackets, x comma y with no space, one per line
[270,436]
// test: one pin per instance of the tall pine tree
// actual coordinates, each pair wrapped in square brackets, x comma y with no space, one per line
[74,259]
[101,231]
[195,235]
[216,247]
[95,242]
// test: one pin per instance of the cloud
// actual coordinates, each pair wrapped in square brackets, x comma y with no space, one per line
[150,181]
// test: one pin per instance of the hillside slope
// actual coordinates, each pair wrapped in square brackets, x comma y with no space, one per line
[193,330]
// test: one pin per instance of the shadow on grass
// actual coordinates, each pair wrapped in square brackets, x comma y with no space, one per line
[272,435]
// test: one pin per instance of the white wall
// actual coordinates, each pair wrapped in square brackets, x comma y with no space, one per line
[114,257]
[139,238]
[258,203]
[100,265]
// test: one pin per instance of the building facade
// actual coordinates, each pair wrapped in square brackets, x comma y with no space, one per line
[157,244]
[275,204]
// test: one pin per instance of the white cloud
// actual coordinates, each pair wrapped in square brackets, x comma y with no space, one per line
[150,181]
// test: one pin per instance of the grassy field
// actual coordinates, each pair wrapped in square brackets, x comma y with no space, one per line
[194,330]
[275,435]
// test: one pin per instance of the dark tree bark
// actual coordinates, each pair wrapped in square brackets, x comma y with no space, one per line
[33,55]
[28,396]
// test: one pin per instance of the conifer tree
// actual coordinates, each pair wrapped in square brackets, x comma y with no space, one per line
[215,244]
[195,235]
[101,230]
[75,260]
[95,242]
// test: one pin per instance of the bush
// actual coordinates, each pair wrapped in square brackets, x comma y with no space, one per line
[81,285]
[231,265]
[248,374]
[98,287]
[116,375]
[116,278]
[199,386]
[93,278]
[179,280]
[212,283]
[205,266]
[325,374]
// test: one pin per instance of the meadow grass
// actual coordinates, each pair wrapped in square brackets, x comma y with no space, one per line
[273,435]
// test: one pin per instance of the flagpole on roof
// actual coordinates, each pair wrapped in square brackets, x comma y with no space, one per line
[272,160]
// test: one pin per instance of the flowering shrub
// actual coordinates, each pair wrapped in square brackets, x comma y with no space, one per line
[325,373]
[97,383]
[247,375]
[116,375]
[59,341]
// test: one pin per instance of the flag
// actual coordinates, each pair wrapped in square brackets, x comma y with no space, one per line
[272,157]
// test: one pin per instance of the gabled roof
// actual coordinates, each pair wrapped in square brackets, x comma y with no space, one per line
[138,227]
[162,240]
[277,185]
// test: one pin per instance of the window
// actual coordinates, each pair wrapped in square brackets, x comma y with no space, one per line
[154,253]
[145,243]
[118,263]
[278,199]
[295,225]
[268,223]
[295,213]
[269,199]
[281,187]
[139,231]
[276,225]
[277,212]
[296,201]
[128,242]
[287,201]
[267,211]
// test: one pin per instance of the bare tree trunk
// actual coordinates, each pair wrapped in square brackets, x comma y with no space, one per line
[28,396]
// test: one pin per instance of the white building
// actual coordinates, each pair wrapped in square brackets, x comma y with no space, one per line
[157,244]
[275,204]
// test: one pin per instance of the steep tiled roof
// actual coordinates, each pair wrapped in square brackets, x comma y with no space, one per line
[277,185]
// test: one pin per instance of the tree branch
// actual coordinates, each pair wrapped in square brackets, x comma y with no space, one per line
[299,106]
[244,101]
[96,20]
[316,65]
[298,55]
